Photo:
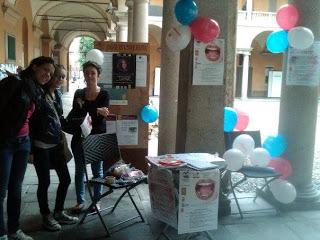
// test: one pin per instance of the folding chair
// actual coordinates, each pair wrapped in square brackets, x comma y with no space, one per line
[266,173]
[104,147]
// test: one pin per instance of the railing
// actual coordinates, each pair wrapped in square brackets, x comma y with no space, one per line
[257,18]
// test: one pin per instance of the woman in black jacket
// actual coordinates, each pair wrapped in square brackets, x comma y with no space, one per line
[48,152]
[19,95]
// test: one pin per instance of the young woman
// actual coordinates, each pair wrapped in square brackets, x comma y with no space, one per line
[48,152]
[94,101]
[18,97]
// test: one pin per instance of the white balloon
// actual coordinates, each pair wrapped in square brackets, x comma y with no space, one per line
[234,159]
[178,37]
[95,55]
[300,37]
[283,191]
[260,157]
[244,143]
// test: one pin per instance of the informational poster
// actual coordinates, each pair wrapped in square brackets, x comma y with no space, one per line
[124,70]
[303,67]
[141,70]
[118,96]
[208,62]
[163,195]
[198,200]
[106,75]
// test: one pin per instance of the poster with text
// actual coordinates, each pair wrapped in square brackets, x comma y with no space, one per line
[208,62]
[198,200]
[106,74]
[127,129]
[303,67]
[123,70]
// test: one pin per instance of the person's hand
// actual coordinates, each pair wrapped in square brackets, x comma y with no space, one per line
[103,111]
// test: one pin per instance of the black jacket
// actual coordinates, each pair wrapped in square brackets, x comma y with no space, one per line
[17,93]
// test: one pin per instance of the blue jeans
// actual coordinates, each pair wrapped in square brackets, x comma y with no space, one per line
[14,155]
[80,165]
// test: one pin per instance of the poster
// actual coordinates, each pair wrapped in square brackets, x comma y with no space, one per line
[118,96]
[208,63]
[106,74]
[198,200]
[303,66]
[123,70]
[163,195]
[141,70]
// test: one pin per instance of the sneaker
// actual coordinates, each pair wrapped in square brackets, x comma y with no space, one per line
[78,208]
[19,235]
[64,218]
[4,237]
[49,223]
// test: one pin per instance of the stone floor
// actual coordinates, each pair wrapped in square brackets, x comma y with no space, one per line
[260,225]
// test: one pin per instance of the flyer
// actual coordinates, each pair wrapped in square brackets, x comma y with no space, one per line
[208,62]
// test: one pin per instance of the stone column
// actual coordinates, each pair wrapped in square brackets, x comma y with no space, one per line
[169,83]
[298,116]
[122,31]
[245,75]
[129,4]
[249,9]
[140,21]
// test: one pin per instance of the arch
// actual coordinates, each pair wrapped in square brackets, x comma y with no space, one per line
[155,31]
[25,42]
[68,38]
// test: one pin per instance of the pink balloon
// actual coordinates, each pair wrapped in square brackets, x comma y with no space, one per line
[287,16]
[205,29]
[242,121]
[282,166]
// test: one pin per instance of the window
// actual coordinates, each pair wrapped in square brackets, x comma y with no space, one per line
[10,48]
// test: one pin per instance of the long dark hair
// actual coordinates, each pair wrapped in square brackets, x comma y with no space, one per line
[92,64]
[28,72]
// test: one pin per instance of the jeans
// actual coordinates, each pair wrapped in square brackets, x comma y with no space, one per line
[80,165]
[14,155]
[44,160]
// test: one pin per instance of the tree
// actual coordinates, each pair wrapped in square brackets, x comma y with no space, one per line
[86,44]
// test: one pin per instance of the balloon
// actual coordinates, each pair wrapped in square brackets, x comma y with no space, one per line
[287,16]
[178,38]
[260,157]
[276,146]
[234,159]
[282,166]
[244,143]
[243,120]
[230,119]
[149,114]
[300,37]
[95,55]
[283,191]
[277,42]
[205,29]
[186,11]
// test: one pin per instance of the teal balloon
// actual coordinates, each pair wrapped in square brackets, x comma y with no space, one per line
[186,11]
[149,114]
[275,145]
[230,119]
[277,42]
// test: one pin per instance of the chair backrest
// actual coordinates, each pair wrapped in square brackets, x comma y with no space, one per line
[100,147]
[230,136]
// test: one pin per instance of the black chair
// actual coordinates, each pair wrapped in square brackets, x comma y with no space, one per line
[266,173]
[104,147]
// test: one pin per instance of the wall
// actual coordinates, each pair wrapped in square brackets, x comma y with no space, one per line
[21,10]
[263,5]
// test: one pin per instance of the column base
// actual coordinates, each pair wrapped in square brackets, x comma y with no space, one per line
[308,198]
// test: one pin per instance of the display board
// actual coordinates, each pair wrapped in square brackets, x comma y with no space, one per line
[125,74]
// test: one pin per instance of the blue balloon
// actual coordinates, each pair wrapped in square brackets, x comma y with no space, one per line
[275,145]
[149,114]
[277,42]
[230,119]
[186,11]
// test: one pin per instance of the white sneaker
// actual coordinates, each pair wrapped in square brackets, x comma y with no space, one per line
[19,235]
[64,218]
[49,223]
[4,237]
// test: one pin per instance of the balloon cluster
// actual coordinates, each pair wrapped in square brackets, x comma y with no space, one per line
[243,152]
[203,29]
[297,37]
[235,119]
[95,55]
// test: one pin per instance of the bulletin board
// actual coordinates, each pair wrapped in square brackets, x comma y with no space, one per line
[122,72]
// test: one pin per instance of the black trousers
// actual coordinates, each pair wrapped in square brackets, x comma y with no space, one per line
[44,160]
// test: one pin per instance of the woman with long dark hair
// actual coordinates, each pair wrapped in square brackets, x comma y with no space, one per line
[19,95]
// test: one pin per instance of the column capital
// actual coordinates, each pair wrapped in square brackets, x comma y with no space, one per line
[129,4]
[141,1]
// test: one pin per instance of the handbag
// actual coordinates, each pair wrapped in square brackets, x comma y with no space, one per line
[66,151]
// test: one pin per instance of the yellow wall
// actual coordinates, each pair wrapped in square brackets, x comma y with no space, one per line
[23,9]
[263,5]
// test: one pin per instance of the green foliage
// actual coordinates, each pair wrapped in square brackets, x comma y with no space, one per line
[86,44]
